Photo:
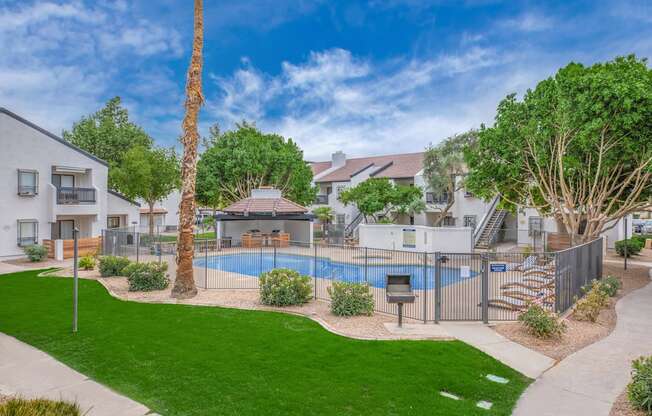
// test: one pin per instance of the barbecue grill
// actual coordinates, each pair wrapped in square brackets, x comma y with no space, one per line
[398,289]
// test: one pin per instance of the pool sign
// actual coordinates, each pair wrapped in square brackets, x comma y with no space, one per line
[465,272]
[498,267]
[409,237]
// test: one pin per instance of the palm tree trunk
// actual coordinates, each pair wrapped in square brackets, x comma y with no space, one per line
[184,285]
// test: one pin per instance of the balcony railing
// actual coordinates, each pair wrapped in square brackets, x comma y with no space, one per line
[431,198]
[321,200]
[66,195]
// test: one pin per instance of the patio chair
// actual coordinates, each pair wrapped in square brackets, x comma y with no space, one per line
[530,284]
[545,296]
[508,303]
[529,261]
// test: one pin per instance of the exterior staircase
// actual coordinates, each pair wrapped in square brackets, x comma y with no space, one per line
[491,229]
[350,230]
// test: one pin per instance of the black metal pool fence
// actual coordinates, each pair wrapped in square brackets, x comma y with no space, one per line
[483,286]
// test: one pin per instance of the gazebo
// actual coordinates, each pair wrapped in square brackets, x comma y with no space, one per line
[265,218]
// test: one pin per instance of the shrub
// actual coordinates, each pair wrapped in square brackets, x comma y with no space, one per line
[147,276]
[639,391]
[36,252]
[610,285]
[87,263]
[588,308]
[541,323]
[350,299]
[38,407]
[633,247]
[113,265]
[282,287]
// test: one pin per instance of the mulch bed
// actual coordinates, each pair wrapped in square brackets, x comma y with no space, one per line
[623,408]
[580,334]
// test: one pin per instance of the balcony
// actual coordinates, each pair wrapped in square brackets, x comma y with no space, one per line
[75,196]
[431,198]
[321,200]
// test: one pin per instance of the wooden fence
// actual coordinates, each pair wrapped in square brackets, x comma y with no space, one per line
[85,246]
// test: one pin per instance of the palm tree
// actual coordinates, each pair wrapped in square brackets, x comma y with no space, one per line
[184,285]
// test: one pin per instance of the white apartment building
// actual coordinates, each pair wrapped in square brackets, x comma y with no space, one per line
[334,176]
[48,187]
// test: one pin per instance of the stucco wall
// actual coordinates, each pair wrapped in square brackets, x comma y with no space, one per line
[430,239]
[128,212]
[24,147]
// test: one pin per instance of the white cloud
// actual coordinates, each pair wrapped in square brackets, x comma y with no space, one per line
[335,100]
[528,22]
[62,60]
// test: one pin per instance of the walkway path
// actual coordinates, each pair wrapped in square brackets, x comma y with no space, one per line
[28,372]
[524,360]
[589,381]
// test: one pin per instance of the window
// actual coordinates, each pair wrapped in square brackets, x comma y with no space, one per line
[535,225]
[27,182]
[27,232]
[112,222]
[470,221]
[341,218]
[449,222]
[63,181]
[432,198]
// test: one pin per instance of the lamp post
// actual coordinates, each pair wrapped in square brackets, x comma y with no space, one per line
[75,284]
[625,225]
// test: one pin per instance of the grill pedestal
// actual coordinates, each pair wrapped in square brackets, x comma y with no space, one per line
[398,289]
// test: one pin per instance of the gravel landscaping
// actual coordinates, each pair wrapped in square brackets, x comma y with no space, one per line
[364,327]
[579,334]
[623,408]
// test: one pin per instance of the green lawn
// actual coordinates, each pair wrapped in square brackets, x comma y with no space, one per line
[188,360]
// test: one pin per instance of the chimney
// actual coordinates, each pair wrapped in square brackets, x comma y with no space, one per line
[338,159]
[266,192]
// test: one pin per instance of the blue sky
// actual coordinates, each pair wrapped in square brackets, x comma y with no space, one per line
[368,77]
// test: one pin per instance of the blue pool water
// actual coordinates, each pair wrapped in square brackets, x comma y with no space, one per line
[253,264]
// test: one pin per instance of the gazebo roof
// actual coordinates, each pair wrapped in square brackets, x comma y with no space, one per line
[266,202]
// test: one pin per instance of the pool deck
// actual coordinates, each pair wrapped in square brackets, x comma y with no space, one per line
[459,301]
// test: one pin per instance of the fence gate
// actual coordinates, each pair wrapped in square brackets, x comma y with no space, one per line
[458,286]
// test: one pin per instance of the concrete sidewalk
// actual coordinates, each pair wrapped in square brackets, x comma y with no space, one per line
[30,373]
[589,381]
[522,359]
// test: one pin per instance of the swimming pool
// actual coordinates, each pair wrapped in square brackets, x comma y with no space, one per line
[253,264]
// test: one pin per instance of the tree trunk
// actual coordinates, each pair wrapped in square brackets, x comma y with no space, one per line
[150,220]
[184,285]
[443,213]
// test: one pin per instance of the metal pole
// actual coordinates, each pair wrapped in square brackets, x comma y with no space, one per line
[400,315]
[137,235]
[366,265]
[485,289]
[425,287]
[206,265]
[159,247]
[314,272]
[274,245]
[437,287]
[75,284]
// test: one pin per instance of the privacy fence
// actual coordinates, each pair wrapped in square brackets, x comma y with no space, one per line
[485,287]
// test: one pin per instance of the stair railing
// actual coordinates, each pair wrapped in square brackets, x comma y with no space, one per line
[485,219]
